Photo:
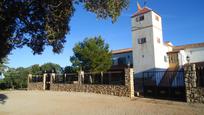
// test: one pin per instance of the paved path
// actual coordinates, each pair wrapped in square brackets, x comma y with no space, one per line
[72,103]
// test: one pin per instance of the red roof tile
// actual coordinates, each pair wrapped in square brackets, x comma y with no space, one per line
[197,45]
[143,11]
[122,51]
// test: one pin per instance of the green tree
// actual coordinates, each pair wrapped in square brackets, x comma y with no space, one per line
[2,64]
[3,68]
[70,69]
[35,69]
[22,77]
[92,55]
[38,23]
[49,67]
[16,78]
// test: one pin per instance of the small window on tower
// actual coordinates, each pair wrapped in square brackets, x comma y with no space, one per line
[141,40]
[157,18]
[165,58]
[142,18]
[137,19]
[158,40]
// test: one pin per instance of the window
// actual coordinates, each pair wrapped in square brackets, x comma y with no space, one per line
[158,40]
[113,61]
[137,19]
[173,58]
[141,40]
[157,18]
[140,18]
[165,58]
[128,57]
[121,61]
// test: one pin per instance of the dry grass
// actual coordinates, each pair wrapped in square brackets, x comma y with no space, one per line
[72,103]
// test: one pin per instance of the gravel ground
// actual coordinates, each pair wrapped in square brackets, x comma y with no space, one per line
[73,103]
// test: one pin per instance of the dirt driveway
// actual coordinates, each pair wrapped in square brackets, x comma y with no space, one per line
[72,103]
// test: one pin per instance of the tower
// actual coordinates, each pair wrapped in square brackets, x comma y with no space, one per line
[149,52]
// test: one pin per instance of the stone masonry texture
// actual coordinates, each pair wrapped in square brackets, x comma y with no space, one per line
[116,90]
[194,94]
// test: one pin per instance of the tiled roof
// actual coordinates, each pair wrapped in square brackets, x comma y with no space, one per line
[198,64]
[175,48]
[143,11]
[122,51]
[197,45]
[171,52]
[168,43]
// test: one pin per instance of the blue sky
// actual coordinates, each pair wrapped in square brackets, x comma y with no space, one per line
[183,23]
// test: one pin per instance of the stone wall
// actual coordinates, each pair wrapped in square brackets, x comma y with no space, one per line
[126,90]
[35,86]
[194,94]
[117,90]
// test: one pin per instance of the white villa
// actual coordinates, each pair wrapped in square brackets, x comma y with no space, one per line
[150,52]
[122,57]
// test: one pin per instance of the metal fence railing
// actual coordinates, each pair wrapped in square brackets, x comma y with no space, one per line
[200,76]
[163,78]
[36,78]
[66,78]
[109,78]
[162,85]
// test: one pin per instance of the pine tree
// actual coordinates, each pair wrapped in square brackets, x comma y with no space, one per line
[38,23]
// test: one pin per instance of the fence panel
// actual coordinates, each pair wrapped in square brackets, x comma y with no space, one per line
[200,76]
[162,85]
[66,78]
[36,78]
[108,78]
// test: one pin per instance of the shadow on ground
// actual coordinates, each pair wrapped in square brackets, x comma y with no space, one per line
[3,98]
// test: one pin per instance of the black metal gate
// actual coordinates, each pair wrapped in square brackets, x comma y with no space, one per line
[200,76]
[163,85]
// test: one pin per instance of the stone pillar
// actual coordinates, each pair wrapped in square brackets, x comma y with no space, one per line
[132,91]
[126,77]
[90,79]
[129,81]
[65,77]
[52,77]
[81,77]
[190,83]
[101,77]
[44,80]
[28,80]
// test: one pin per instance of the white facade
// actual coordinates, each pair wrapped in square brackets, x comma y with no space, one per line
[152,53]
[182,58]
[195,54]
